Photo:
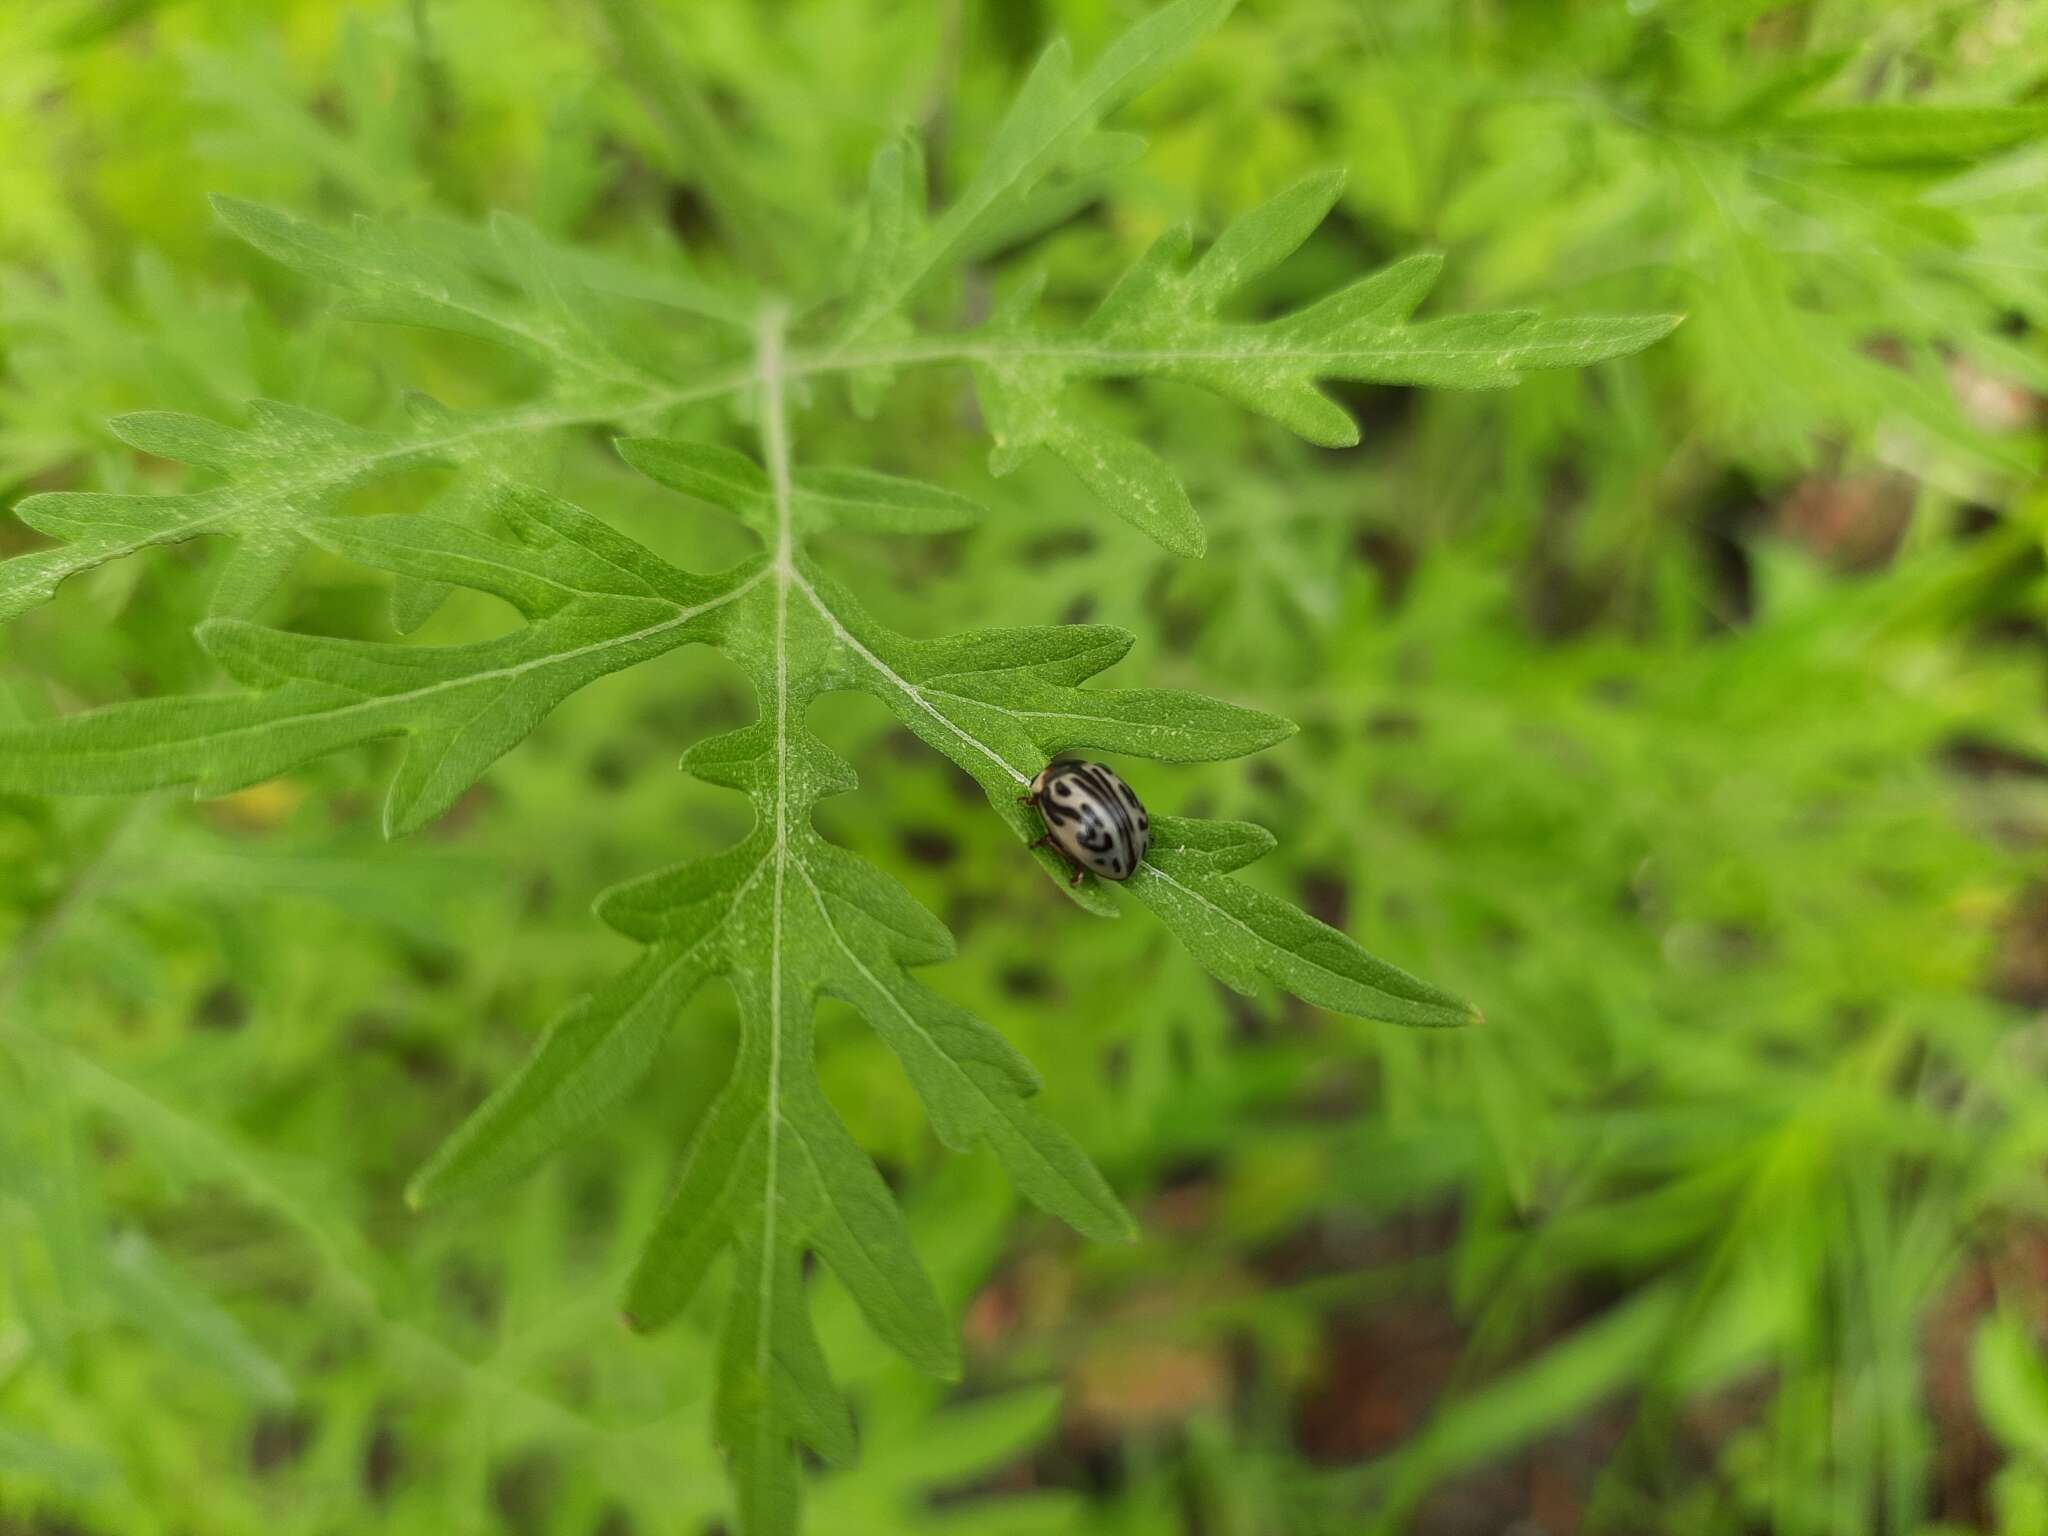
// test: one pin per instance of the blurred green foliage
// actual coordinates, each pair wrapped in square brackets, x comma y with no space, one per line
[1685,712]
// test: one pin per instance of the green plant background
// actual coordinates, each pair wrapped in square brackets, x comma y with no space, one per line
[1685,712]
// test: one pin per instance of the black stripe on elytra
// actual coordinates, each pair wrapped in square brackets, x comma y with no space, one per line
[1137,807]
[1097,834]
[1054,812]
[1100,780]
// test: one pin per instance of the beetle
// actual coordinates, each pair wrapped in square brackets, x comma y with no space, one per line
[1093,819]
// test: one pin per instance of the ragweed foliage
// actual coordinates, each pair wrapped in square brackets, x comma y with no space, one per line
[784,917]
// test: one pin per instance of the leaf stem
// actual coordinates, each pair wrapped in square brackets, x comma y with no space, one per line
[903,685]
[769,363]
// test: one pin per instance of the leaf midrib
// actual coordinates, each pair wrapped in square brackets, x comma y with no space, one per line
[1151,870]
[1390,342]
[1390,345]
[909,689]
[769,338]
[887,994]
[509,674]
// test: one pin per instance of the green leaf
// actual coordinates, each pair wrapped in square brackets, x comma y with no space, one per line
[444,277]
[1244,935]
[166,1307]
[895,223]
[589,1059]
[289,464]
[1595,1360]
[1052,121]
[857,499]
[1161,321]
[596,603]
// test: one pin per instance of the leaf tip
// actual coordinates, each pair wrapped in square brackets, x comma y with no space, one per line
[1327,184]
[1649,330]
[405,812]
[1428,263]
[1004,458]
[238,214]
[125,425]
[1190,542]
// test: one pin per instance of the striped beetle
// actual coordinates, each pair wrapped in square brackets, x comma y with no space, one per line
[1093,820]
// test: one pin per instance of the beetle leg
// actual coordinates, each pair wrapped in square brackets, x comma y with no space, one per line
[1043,841]
[1078,873]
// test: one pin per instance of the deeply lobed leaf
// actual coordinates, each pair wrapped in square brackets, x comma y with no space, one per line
[596,602]
[289,464]
[782,918]
[1162,321]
